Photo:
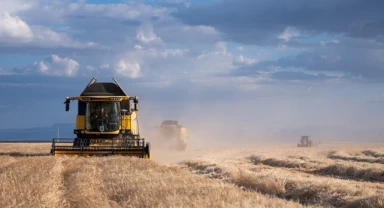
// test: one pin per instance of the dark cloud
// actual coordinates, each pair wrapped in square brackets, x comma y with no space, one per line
[366,63]
[352,59]
[285,75]
[40,88]
[259,22]
[104,30]
[6,48]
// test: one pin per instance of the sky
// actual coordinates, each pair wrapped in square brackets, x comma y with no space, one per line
[244,65]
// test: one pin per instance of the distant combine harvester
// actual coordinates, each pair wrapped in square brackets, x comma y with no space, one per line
[305,141]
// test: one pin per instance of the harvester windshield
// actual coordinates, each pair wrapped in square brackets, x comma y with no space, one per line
[103,116]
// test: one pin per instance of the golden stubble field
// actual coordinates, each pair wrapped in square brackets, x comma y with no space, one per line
[333,174]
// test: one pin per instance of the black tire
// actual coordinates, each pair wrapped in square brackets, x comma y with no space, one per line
[76,142]
[148,150]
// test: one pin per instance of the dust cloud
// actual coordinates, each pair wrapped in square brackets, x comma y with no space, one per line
[250,123]
[210,128]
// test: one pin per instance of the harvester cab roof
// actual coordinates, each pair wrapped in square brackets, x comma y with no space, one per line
[170,123]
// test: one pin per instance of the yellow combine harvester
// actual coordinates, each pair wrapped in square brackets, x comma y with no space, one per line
[171,135]
[106,124]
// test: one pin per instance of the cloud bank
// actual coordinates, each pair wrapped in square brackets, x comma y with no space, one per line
[245,63]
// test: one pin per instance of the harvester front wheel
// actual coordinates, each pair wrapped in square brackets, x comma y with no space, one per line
[148,150]
[183,147]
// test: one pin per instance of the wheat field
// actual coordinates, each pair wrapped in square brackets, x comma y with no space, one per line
[274,175]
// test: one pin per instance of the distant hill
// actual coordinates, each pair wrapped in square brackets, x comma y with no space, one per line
[38,133]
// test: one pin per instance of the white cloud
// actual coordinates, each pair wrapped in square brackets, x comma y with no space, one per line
[15,6]
[242,60]
[221,46]
[163,51]
[155,50]
[239,83]
[174,32]
[46,36]
[326,42]
[206,30]
[163,66]
[56,66]
[289,33]
[112,10]
[240,48]
[143,50]
[16,32]
[104,66]
[91,68]
[22,24]
[12,27]
[128,10]
[5,72]
[138,47]
[128,69]
[213,63]
[156,84]
[146,35]
[25,84]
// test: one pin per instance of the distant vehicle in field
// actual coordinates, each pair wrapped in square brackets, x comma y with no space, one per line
[305,141]
[171,135]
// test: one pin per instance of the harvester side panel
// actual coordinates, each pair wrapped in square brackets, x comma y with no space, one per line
[80,122]
[129,122]
[134,124]
[126,122]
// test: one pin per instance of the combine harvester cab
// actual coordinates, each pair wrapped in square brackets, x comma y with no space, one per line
[106,124]
[171,135]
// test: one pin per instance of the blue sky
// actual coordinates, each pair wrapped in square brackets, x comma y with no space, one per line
[259,64]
